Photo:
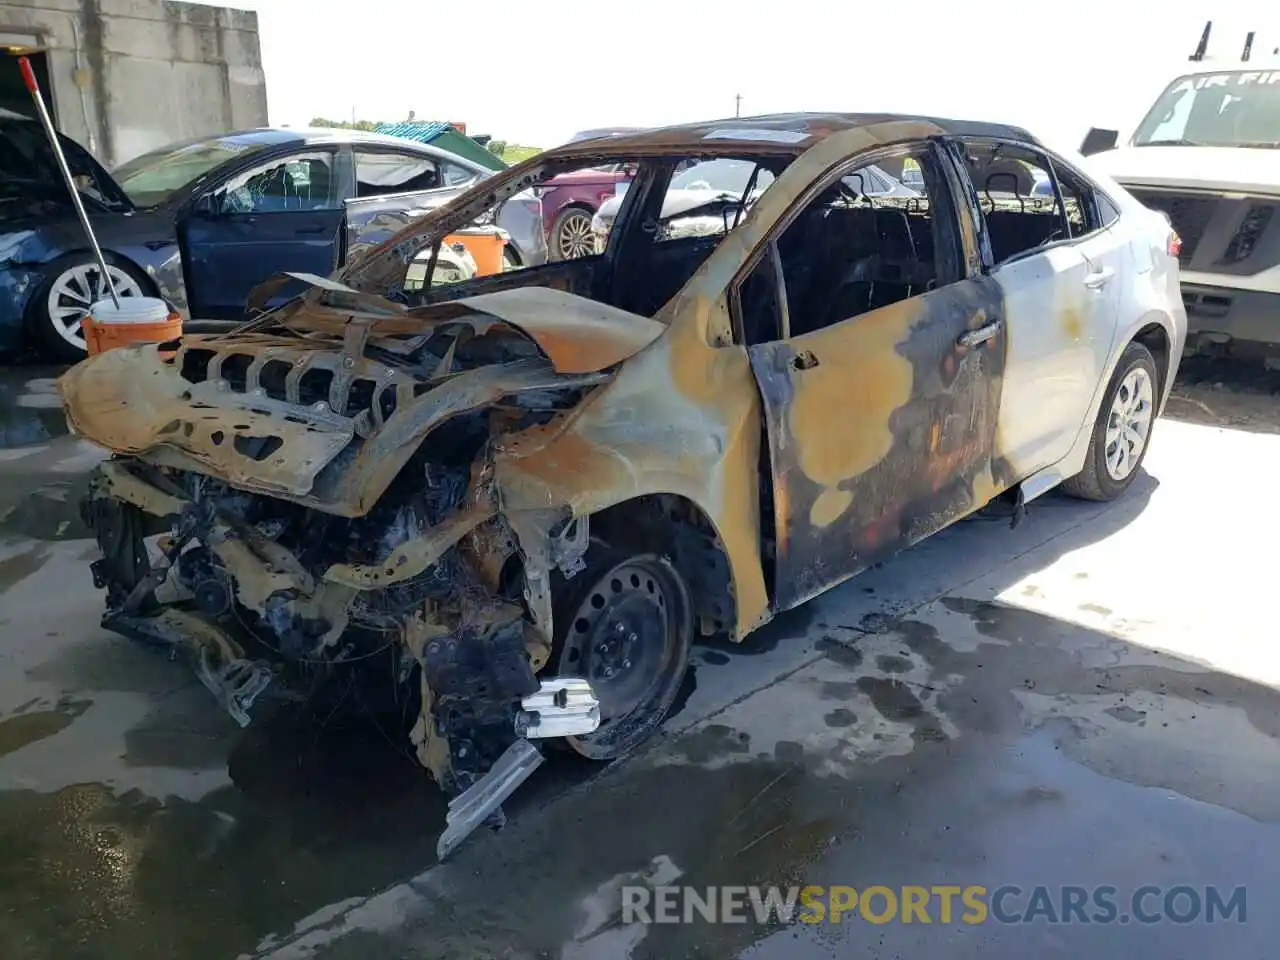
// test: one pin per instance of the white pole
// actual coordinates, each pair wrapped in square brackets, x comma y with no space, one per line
[29,77]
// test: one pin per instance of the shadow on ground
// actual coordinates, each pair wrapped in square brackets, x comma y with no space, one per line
[1221,393]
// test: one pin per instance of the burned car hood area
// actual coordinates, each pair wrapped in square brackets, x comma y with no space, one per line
[325,488]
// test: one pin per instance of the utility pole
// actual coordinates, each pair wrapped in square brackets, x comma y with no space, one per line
[737,104]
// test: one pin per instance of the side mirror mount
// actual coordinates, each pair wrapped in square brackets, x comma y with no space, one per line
[203,207]
[1099,141]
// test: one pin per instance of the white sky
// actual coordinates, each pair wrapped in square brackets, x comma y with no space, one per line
[535,72]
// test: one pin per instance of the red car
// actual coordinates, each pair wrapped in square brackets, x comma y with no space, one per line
[570,201]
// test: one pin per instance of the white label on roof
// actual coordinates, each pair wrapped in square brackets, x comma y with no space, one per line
[769,136]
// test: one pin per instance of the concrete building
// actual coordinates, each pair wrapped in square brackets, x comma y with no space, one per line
[126,76]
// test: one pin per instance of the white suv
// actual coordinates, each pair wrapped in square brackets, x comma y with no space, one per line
[1207,155]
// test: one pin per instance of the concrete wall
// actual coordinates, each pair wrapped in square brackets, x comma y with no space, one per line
[132,75]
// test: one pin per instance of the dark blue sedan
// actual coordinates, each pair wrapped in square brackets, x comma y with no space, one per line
[201,223]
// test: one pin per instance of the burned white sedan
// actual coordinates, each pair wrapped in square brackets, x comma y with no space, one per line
[515,502]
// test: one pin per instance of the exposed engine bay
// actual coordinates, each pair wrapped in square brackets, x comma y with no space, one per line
[273,511]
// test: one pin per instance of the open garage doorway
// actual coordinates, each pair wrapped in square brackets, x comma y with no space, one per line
[13,92]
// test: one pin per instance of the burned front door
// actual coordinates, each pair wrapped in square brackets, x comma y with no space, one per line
[880,404]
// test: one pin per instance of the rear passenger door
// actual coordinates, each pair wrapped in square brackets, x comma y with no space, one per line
[1108,258]
[878,347]
[1060,295]
[395,187]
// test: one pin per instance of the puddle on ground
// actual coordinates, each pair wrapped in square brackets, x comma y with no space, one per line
[30,409]
[891,663]
[757,821]
[26,727]
[16,568]
[848,656]
[313,816]
[49,512]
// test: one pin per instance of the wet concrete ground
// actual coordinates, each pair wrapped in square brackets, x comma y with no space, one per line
[1088,699]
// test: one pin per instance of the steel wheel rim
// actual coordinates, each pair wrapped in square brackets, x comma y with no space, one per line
[75,290]
[574,236]
[624,639]
[1129,424]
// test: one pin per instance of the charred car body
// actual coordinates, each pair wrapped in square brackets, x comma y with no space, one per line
[574,469]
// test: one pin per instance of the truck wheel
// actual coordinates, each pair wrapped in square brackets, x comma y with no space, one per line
[571,235]
[625,624]
[1122,432]
[59,306]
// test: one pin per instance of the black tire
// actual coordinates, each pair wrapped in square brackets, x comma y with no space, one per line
[646,601]
[562,219]
[1095,481]
[49,343]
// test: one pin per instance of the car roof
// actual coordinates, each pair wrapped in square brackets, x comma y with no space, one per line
[778,133]
[596,133]
[317,136]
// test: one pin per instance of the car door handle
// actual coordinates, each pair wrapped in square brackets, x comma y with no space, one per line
[1099,278]
[976,338]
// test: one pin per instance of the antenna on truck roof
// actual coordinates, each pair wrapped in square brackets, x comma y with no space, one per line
[1204,43]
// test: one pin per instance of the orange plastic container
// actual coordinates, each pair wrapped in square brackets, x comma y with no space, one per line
[484,245]
[137,320]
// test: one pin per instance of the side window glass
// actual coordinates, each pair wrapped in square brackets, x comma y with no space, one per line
[1107,211]
[708,198]
[456,176]
[382,174]
[1077,201]
[871,181]
[865,242]
[299,182]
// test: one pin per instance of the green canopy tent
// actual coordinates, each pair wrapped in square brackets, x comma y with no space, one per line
[446,137]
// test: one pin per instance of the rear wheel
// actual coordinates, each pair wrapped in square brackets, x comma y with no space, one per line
[59,307]
[571,235]
[1122,431]
[625,624]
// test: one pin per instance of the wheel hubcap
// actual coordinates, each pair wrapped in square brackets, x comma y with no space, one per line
[575,237]
[1129,423]
[78,288]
